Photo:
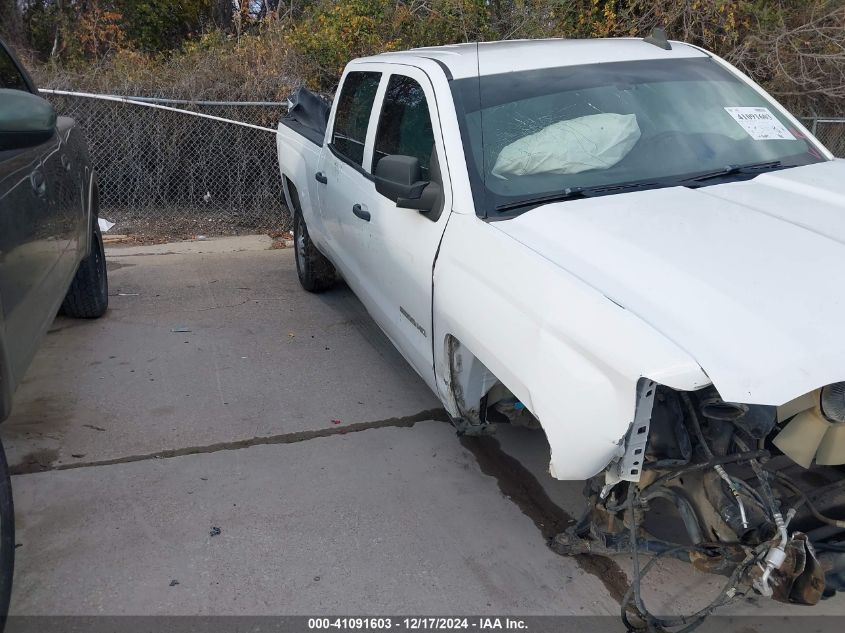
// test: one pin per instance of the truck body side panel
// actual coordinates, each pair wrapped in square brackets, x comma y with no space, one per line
[570,354]
[298,160]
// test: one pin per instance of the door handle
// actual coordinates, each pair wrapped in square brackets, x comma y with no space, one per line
[319,177]
[66,162]
[359,211]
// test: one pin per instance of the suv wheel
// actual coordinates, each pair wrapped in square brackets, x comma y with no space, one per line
[88,295]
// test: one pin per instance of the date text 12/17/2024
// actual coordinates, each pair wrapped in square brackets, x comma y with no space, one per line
[481,623]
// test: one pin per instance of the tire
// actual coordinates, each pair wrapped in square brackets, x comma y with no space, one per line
[88,295]
[7,538]
[316,273]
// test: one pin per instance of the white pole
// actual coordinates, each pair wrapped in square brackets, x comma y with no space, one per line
[118,99]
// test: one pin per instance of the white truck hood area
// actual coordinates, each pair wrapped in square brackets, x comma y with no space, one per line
[745,277]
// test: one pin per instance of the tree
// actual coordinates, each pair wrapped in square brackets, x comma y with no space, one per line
[11,22]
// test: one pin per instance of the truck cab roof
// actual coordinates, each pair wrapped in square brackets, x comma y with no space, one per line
[460,60]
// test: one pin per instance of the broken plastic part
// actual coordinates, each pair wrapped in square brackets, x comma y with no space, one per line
[310,109]
[739,529]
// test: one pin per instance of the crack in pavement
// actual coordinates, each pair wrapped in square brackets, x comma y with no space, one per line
[515,481]
[437,415]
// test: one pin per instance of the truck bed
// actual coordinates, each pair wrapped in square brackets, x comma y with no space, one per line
[310,134]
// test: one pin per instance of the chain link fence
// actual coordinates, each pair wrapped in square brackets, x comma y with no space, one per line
[831,132]
[163,172]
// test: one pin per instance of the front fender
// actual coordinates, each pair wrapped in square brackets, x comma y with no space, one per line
[571,356]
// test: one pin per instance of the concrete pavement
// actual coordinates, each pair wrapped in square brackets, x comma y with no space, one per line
[215,393]
[260,357]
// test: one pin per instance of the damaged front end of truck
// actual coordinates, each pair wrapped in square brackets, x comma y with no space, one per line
[751,492]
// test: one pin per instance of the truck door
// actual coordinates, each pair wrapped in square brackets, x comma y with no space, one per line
[400,245]
[343,182]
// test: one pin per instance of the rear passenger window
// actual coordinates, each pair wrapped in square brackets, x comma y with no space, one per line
[353,114]
[405,123]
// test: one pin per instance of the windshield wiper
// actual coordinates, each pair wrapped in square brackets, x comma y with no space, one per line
[730,170]
[569,193]
[573,193]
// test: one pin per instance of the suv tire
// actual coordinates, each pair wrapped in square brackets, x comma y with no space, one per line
[88,295]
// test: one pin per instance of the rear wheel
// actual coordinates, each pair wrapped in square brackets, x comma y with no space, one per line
[316,273]
[7,538]
[88,295]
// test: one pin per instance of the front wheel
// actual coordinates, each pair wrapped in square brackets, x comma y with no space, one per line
[88,295]
[316,273]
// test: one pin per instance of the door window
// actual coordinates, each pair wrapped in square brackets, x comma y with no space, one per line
[354,106]
[405,124]
[10,76]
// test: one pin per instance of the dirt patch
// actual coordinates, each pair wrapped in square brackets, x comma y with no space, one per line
[519,485]
[168,226]
[44,416]
[608,571]
[112,265]
[35,462]
[62,323]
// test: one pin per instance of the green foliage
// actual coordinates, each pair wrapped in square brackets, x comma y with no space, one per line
[329,33]
[41,21]
[75,30]
[158,25]
[334,32]
[261,49]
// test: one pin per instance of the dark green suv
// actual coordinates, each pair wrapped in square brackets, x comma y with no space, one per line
[51,250]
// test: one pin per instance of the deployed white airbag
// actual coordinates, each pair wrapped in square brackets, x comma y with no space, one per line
[596,141]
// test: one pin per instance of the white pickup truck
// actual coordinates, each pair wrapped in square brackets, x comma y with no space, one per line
[625,242]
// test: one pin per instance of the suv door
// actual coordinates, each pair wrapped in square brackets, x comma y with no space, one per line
[29,226]
[401,244]
[343,178]
[69,196]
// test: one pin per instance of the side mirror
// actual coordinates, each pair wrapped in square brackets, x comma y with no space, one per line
[26,120]
[398,178]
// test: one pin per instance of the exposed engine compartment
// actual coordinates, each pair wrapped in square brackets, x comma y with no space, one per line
[747,491]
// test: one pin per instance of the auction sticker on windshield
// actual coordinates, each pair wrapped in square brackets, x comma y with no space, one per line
[760,124]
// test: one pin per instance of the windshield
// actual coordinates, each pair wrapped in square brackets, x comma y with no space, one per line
[532,135]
